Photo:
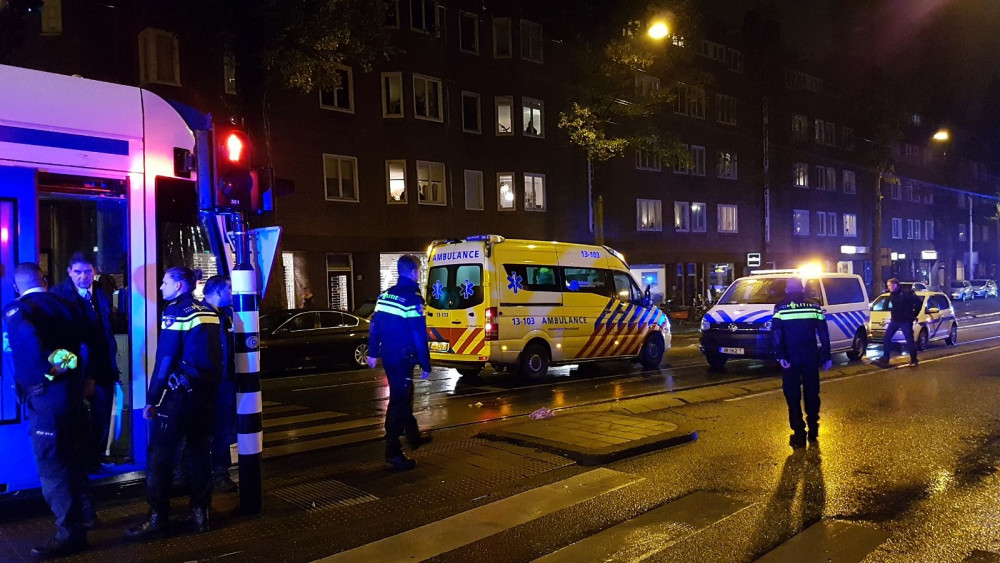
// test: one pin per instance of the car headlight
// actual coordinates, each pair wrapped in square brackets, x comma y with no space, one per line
[766,326]
[705,325]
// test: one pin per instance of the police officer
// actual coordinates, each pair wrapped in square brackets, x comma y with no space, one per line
[398,335]
[102,363]
[904,306]
[796,325]
[219,294]
[180,402]
[47,335]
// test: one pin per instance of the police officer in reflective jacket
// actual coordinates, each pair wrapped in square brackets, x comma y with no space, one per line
[796,326]
[47,335]
[180,402]
[398,335]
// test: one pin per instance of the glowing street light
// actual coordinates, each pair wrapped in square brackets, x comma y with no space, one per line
[942,135]
[658,30]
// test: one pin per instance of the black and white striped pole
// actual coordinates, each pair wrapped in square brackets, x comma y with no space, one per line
[246,324]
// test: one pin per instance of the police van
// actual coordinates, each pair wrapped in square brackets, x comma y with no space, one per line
[523,305]
[739,325]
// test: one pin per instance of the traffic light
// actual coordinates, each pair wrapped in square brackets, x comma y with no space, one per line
[234,182]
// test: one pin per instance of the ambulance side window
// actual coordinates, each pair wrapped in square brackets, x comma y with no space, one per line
[534,277]
[625,289]
[586,280]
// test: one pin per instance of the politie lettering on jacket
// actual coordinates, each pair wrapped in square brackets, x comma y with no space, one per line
[456,255]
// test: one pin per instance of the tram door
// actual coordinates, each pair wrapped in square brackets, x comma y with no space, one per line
[45,218]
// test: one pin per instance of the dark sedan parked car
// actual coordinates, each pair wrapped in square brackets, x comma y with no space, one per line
[298,338]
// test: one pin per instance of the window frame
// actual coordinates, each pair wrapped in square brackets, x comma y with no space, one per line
[928,229]
[148,57]
[648,161]
[529,37]
[349,89]
[513,191]
[696,100]
[395,14]
[800,180]
[435,31]
[692,214]
[534,176]
[496,115]
[853,184]
[821,223]
[682,210]
[326,187]
[428,164]
[510,37]
[731,172]
[831,224]
[525,100]
[643,207]
[440,99]
[695,161]
[462,16]
[388,183]
[479,113]
[725,109]
[398,76]
[720,210]
[800,214]
[897,228]
[850,221]
[482,195]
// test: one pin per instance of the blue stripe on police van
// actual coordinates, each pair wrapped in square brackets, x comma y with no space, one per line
[749,317]
[40,138]
[723,317]
[840,324]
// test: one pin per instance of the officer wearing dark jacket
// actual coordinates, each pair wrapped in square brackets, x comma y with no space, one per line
[47,336]
[180,402]
[398,335]
[102,361]
[796,325]
[904,306]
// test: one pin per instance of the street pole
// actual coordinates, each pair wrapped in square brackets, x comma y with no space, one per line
[971,274]
[250,435]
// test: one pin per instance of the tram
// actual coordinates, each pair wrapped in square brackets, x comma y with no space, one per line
[105,169]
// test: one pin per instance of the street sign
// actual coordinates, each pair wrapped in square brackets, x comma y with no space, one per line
[753,259]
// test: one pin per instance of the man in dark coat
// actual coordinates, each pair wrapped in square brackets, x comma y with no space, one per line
[102,364]
[904,306]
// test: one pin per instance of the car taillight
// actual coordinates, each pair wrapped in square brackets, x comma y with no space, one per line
[492,329]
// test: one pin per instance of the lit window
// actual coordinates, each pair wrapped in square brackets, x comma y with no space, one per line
[424,16]
[929,229]
[52,17]
[897,228]
[395,175]
[505,115]
[341,96]
[727,165]
[729,218]
[850,225]
[800,222]
[909,229]
[533,117]
[820,223]
[850,182]
[468,33]
[800,174]
[392,94]
[474,190]
[341,173]
[725,109]
[531,41]
[430,183]
[916,229]
[534,192]
[505,191]
[470,113]
[501,38]
[699,217]
[427,98]
[159,58]
[648,215]
[682,216]
[831,224]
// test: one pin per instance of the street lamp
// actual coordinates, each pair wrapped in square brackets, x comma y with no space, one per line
[658,30]
[944,136]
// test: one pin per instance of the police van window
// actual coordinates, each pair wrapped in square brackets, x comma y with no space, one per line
[813,292]
[841,291]
[586,280]
[534,277]
[330,319]
[625,288]
[455,286]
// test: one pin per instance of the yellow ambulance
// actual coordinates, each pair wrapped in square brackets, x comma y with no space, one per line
[523,305]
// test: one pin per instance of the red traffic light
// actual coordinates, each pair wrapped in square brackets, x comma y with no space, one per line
[234,147]
[234,184]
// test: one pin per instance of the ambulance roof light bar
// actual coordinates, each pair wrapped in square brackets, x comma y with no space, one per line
[616,254]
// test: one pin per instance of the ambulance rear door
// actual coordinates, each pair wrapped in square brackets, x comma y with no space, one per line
[456,301]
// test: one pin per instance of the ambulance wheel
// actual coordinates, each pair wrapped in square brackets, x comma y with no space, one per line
[716,362]
[534,360]
[858,346]
[952,335]
[651,353]
[469,372]
[922,340]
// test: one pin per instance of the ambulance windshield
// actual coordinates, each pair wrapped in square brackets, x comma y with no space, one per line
[455,286]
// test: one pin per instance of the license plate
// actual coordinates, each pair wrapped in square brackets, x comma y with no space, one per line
[733,351]
[439,346]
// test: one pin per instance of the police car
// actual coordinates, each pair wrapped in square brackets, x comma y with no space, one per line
[936,320]
[739,325]
[523,305]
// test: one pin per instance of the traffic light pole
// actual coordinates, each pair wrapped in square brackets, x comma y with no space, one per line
[246,305]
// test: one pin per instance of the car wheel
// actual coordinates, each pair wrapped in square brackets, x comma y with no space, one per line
[716,361]
[534,360]
[361,354]
[858,346]
[952,335]
[922,340]
[469,372]
[652,352]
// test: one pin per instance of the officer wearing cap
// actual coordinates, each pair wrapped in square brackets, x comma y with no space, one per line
[398,335]
[180,402]
[47,336]
[796,325]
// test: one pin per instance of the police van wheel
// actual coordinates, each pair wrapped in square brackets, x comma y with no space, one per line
[652,352]
[534,361]
[469,372]
[858,346]
[361,354]
[716,362]
[952,335]
[922,340]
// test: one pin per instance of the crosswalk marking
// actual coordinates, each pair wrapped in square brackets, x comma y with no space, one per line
[311,430]
[831,541]
[283,408]
[472,525]
[333,441]
[652,532]
[272,422]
